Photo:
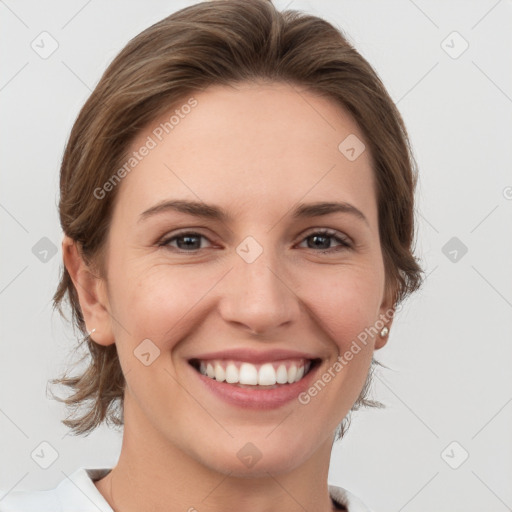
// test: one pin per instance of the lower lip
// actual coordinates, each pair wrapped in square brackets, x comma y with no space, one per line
[258,398]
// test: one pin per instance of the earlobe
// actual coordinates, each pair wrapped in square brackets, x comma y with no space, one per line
[91,291]
[382,337]
[386,316]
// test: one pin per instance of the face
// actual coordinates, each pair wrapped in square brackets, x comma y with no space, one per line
[269,281]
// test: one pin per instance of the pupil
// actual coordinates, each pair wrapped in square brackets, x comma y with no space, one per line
[325,238]
[187,241]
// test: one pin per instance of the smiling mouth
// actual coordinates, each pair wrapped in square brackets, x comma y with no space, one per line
[268,375]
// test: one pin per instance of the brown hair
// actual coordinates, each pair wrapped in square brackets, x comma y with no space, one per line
[220,42]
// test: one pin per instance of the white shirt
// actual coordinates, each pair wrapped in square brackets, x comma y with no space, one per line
[77,493]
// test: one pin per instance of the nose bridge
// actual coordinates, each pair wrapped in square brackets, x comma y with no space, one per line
[258,295]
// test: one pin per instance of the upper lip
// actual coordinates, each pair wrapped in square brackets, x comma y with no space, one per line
[255,356]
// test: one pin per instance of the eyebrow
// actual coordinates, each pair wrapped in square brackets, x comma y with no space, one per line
[209,211]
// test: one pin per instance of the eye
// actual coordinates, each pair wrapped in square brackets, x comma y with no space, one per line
[186,241]
[190,241]
[321,240]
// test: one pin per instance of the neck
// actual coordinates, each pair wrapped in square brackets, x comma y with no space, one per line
[153,474]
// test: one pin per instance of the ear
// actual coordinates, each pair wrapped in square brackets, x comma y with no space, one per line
[386,315]
[92,294]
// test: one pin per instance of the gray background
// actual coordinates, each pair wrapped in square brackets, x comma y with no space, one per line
[450,348]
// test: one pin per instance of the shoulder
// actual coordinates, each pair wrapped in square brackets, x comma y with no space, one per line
[344,497]
[75,493]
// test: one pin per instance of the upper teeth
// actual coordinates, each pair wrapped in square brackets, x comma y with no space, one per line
[268,374]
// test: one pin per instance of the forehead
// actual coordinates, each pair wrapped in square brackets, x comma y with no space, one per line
[261,146]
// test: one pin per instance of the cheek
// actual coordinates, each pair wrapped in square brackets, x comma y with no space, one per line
[158,302]
[346,303]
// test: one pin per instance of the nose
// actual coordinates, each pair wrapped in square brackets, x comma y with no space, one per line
[259,296]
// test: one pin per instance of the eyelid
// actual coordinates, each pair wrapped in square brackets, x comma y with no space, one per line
[344,241]
[168,237]
[329,231]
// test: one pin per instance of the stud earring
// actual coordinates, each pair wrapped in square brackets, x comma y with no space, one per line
[384,332]
[89,333]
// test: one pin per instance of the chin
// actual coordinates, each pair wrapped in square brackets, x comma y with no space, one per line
[274,454]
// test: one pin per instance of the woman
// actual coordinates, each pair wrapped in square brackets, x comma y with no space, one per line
[237,203]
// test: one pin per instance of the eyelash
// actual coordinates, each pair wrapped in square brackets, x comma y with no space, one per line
[345,243]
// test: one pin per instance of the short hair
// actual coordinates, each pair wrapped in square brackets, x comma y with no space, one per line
[221,42]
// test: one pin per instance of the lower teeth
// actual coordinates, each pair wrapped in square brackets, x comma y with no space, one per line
[256,386]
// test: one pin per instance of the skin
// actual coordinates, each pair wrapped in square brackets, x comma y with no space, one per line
[256,150]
